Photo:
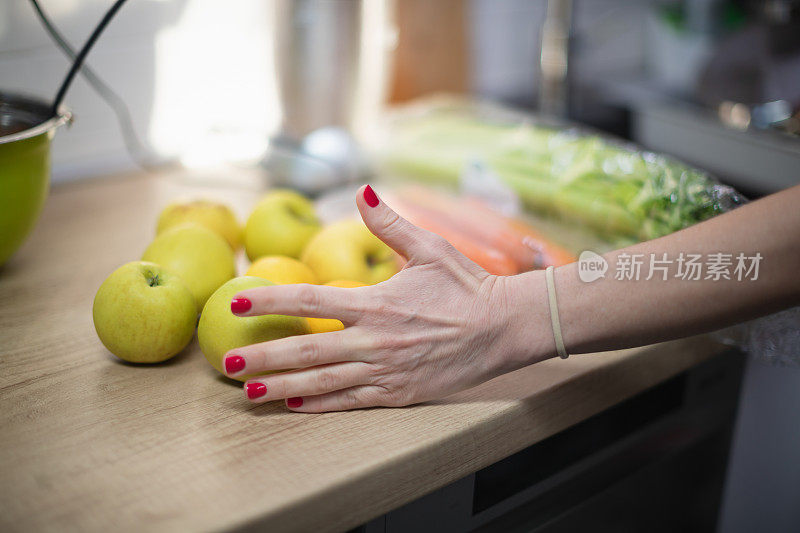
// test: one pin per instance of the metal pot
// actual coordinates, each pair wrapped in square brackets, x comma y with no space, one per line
[26,128]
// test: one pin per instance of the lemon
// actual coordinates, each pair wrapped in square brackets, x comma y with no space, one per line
[324,325]
[281,270]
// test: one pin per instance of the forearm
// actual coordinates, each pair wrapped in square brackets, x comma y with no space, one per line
[610,313]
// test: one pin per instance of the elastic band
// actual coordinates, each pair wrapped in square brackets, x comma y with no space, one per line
[551,296]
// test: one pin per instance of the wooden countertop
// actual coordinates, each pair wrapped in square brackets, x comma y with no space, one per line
[89,443]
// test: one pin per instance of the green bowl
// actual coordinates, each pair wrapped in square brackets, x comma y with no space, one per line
[26,129]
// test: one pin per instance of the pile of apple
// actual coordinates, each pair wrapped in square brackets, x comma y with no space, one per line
[146,311]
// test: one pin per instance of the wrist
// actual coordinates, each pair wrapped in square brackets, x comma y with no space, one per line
[527,313]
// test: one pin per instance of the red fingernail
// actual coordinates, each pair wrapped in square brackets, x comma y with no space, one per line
[371,198]
[294,402]
[240,305]
[255,390]
[234,364]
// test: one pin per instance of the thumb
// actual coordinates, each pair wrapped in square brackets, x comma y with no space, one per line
[402,236]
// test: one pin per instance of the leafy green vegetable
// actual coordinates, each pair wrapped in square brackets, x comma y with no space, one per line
[620,193]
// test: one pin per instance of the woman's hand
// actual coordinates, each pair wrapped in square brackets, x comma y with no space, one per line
[440,325]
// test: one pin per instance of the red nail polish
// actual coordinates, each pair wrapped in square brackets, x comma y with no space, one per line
[294,403]
[240,305]
[234,364]
[255,390]
[370,197]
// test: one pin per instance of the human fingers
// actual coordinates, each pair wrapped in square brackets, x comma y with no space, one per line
[318,301]
[318,380]
[300,351]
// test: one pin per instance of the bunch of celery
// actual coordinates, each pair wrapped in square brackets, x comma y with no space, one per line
[620,193]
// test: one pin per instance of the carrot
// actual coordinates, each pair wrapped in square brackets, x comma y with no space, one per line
[493,229]
[552,254]
[490,259]
[475,225]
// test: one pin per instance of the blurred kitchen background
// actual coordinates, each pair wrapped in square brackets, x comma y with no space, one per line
[206,83]
[716,83]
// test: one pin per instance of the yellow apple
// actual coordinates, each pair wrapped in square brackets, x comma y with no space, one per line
[281,224]
[323,325]
[212,215]
[220,331]
[281,270]
[348,250]
[143,313]
[201,258]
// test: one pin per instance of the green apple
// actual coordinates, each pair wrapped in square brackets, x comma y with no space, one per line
[282,223]
[348,250]
[220,330]
[202,259]
[212,215]
[143,313]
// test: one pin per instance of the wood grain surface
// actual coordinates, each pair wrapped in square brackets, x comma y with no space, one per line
[89,443]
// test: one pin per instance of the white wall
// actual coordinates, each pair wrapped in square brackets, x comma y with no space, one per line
[196,75]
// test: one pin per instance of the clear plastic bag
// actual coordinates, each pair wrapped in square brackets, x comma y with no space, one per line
[773,339]
[610,187]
